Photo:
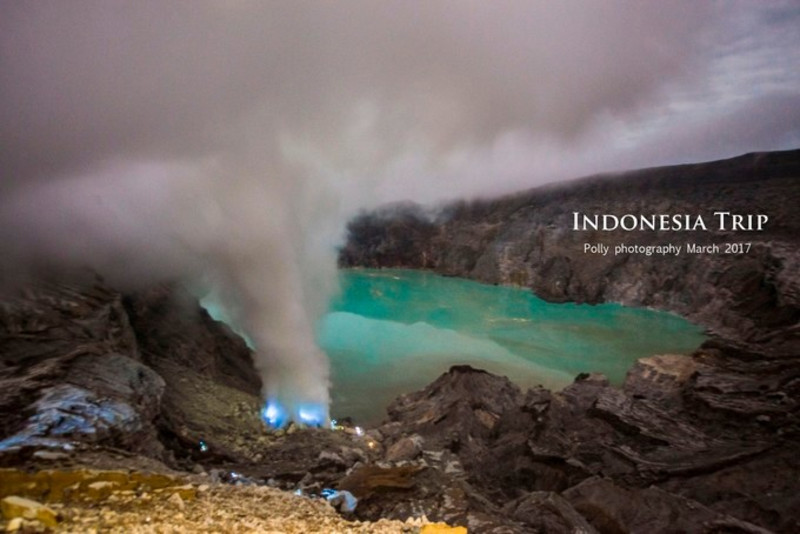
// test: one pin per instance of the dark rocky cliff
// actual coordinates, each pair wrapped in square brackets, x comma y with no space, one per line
[148,372]
[527,239]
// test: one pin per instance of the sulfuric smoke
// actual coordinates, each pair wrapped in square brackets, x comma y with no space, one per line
[234,241]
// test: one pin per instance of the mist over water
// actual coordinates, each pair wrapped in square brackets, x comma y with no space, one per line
[395,331]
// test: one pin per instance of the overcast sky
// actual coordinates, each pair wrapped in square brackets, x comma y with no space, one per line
[414,99]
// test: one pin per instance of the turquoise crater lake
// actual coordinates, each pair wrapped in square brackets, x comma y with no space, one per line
[394,331]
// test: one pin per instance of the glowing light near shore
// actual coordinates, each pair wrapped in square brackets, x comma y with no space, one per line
[312,415]
[273,415]
[276,415]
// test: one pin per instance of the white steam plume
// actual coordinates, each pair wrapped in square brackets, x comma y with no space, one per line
[236,238]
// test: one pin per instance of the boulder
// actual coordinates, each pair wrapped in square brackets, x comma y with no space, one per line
[14,507]
[611,508]
[546,511]
[407,448]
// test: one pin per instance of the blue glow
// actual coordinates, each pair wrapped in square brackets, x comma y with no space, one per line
[274,415]
[312,414]
[277,415]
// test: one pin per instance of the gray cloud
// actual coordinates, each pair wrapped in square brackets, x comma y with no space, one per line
[86,80]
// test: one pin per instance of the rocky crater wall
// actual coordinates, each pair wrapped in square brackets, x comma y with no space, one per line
[528,239]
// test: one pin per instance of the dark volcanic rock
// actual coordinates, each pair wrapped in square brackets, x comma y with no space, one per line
[212,389]
[548,512]
[70,370]
[170,326]
[458,411]
[414,490]
[660,449]
[610,508]
[79,362]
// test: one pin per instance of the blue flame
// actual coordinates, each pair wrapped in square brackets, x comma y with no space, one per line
[312,414]
[274,415]
[277,415]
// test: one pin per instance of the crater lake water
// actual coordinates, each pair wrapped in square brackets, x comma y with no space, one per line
[394,331]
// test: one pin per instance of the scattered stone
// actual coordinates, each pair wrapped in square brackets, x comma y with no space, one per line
[327,457]
[225,508]
[14,525]
[176,501]
[51,456]
[100,490]
[405,449]
[20,507]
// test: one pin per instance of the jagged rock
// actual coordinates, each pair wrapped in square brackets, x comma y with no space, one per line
[66,412]
[762,489]
[176,501]
[584,391]
[407,448]
[610,508]
[49,327]
[668,372]
[456,412]
[552,441]
[414,490]
[351,455]
[327,457]
[170,326]
[548,512]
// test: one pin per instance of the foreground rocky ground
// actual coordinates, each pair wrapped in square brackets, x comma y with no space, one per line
[90,500]
[92,379]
